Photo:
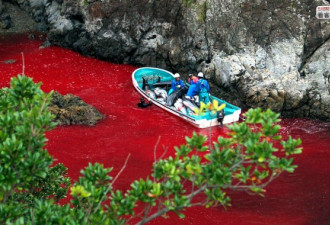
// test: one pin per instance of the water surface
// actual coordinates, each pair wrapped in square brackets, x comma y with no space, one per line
[299,198]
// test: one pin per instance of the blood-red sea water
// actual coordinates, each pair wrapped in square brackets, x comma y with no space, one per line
[296,199]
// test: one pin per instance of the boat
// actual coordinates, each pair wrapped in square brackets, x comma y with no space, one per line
[154,84]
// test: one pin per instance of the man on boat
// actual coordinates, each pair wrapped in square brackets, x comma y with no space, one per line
[177,83]
[203,89]
[193,89]
[190,78]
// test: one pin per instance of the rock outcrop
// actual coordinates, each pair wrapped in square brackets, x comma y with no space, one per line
[5,19]
[69,109]
[14,20]
[273,54]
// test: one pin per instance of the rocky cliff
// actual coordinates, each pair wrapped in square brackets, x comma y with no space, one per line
[273,54]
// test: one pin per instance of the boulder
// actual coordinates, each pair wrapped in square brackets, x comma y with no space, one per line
[69,109]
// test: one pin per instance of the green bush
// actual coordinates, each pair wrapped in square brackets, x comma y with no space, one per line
[29,187]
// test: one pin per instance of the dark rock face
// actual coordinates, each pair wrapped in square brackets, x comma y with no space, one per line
[14,20]
[70,109]
[1,7]
[5,21]
[271,54]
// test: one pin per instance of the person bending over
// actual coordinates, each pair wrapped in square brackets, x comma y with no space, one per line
[193,89]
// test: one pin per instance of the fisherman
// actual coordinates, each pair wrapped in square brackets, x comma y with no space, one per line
[143,103]
[177,83]
[203,89]
[190,78]
[193,89]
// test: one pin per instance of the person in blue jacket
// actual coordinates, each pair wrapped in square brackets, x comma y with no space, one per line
[193,89]
[203,89]
[177,83]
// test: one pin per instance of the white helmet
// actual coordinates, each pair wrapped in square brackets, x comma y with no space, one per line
[176,75]
[200,74]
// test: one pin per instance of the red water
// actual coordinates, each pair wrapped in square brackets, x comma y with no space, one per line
[299,198]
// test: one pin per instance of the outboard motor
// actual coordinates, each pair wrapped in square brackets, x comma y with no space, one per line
[221,116]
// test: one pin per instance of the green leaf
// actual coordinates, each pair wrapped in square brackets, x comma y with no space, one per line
[41,174]
[181,215]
